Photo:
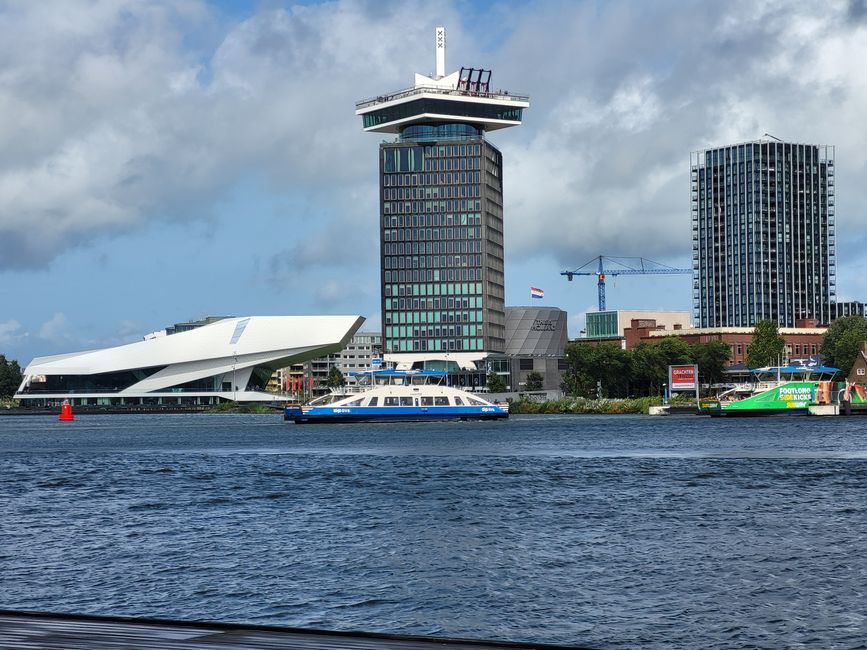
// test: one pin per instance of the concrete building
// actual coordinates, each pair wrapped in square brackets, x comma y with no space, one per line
[230,359]
[763,233]
[617,325]
[358,355]
[536,340]
[441,214]
[848,308]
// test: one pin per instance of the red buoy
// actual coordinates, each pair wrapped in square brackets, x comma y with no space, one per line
[66,412]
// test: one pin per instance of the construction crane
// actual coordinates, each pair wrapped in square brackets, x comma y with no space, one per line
[624,266]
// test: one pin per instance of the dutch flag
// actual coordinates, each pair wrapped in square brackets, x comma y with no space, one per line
[536,293]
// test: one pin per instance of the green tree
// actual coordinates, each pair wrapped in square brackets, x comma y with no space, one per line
[767,346]
[534,381]
[588,366]
[496,383]
[711,358]
[843,341]
[648,370]
[335,378]
[10,377]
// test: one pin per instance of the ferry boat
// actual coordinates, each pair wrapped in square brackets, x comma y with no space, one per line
[397,396]
[783,390]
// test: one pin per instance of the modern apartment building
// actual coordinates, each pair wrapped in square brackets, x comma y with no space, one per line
[441,214]
[763,234]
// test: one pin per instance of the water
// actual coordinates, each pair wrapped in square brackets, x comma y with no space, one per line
[609,531]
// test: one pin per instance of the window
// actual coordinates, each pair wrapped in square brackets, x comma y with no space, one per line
[427,401]
[458,401]
[860,372]
[390,401]
[525,364]
[373,401]
[441,401]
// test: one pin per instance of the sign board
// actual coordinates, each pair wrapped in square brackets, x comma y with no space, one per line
[682,378]
[375,363]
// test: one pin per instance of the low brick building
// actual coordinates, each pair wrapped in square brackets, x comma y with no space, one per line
[802,341]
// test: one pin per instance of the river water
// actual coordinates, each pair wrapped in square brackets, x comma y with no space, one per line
[606,531]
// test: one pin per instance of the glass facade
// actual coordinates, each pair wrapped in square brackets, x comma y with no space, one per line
[763,234]
[441,241]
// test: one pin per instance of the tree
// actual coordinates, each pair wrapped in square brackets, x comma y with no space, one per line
[843,341]
[496,383]
[10,377]
[588,366]
[534,381]
[335,378]
[767,345]
[711,358]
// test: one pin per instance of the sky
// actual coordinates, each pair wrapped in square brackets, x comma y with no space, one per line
[164,161]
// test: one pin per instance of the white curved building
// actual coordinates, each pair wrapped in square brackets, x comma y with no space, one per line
[230,359]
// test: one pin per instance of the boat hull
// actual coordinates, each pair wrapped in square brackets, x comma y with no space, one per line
[392,414]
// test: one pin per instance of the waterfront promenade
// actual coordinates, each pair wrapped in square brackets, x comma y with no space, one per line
[43,631]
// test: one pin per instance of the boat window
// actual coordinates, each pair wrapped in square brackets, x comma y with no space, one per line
[427,401]
[406,401]
[475,402]
[458,401]
[355,402]
[373,401]
[390,401]
[441,401]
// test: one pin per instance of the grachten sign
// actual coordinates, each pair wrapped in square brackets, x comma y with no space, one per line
[682,378]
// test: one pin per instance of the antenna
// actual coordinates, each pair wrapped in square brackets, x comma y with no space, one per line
[441,52]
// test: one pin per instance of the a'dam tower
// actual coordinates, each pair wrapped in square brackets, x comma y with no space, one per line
[441,213]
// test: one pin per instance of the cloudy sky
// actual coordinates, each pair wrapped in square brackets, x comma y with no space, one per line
[164,161]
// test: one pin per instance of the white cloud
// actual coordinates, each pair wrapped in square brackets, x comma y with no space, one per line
[113,120]
[56,328]
[618,110]
[11,332]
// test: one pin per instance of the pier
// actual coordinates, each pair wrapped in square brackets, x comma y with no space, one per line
[41,630]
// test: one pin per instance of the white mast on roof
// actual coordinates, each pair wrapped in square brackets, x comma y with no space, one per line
[441,52]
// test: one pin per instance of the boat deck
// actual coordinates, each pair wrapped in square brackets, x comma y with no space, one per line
[45,631]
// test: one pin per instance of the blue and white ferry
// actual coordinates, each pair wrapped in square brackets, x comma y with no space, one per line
[398,396]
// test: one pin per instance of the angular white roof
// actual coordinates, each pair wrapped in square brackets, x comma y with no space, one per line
[232,346]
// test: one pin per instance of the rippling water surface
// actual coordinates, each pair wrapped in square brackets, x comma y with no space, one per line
[609,531]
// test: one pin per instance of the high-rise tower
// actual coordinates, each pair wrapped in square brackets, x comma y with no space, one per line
[441,211]
[763,233]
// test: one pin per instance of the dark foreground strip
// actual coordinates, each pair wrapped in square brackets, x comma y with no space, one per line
[47,631]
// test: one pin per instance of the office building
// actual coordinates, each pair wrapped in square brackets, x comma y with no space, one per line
[763,234]
[441,215]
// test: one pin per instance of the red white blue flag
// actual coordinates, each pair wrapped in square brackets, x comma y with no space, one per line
[536,293]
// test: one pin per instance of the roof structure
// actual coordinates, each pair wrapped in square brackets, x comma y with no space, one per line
[220,359]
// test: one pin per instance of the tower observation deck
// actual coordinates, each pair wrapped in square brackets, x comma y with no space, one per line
[464,96]
[441,216]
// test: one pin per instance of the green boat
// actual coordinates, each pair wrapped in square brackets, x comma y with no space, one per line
[784,390]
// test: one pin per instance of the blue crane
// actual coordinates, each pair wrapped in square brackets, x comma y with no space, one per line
[624,266]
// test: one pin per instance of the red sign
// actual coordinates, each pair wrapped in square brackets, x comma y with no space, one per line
[682,378]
